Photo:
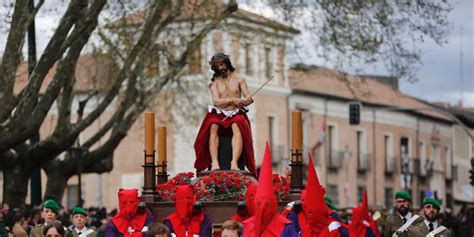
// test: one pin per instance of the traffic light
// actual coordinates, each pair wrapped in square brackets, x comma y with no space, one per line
[471,177]
[354,113]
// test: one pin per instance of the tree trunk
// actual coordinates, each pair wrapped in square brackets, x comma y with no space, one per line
[55,186]
[15,186]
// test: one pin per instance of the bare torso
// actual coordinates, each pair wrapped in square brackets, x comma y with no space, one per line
[223,90]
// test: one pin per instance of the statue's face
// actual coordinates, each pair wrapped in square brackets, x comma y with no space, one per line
[220,68]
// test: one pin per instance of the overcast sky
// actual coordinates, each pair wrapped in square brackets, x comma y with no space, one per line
[439,77]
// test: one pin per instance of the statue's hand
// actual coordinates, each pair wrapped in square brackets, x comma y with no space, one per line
[237,102]
[247,101]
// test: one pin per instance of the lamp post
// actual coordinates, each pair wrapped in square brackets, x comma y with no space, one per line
[77,153]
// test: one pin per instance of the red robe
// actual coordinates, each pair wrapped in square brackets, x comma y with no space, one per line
[274,228]
[201,145]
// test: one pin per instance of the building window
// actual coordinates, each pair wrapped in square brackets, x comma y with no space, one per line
[362,156]
[359,145]
[436,157]
[389,198]
[195,62]
[449,162]
[306,116]
[388,154]
[248,59]
[422,154]
[360,193]
[333,154]
[333,194]
[331,145]
[271,121]
[71,195]
[268,62]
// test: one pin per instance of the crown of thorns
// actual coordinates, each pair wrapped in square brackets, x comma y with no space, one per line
[218,57]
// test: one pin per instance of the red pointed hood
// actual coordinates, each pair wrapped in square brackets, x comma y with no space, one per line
[265,203]
[369,219]
[364,204]
[360,217]
[314,206]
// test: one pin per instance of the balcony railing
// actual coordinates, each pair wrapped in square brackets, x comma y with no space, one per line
[390,165]
[363,162]
[334,160]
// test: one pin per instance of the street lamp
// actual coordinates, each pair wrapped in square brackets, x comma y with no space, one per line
[77,153]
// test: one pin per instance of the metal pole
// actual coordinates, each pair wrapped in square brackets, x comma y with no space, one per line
[375,155]
[79,182]
[35,184]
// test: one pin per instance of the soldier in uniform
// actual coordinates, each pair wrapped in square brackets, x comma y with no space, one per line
[429,226]
[49,214]
[401,216]
[79,220]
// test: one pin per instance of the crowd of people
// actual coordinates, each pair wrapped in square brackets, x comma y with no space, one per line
[313,215]
[21,222]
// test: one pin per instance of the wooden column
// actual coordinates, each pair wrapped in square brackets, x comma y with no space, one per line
[149,186]
[162,175]
[296,152]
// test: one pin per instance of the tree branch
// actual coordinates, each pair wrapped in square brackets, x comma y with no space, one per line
[145,39]
[12,56]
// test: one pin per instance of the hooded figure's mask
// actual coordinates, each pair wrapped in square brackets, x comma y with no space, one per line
[184,201]
[128,203]
[250,198]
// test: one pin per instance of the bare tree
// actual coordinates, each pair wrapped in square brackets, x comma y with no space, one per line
[22,114]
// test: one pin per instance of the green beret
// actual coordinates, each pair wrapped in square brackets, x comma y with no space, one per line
[404,195]
[51,204]
[79,210]
[432,201]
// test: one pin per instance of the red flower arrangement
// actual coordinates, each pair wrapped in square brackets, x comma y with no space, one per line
[167,190]
[281,187]
[221,185]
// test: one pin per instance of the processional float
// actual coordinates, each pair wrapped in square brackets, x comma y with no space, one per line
[155,173]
